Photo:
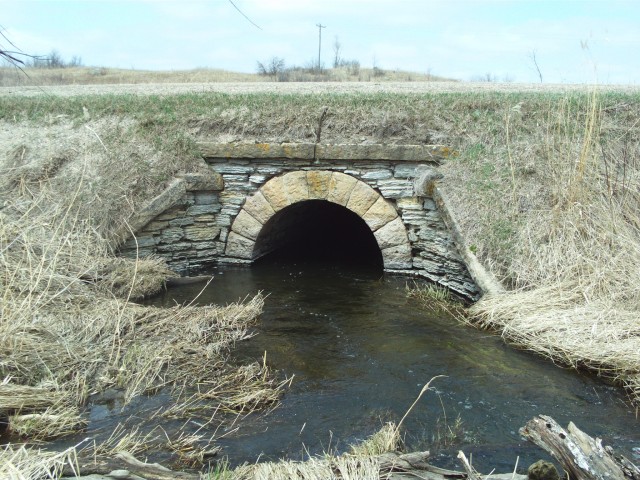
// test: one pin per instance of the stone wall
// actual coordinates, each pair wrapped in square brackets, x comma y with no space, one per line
[199,230]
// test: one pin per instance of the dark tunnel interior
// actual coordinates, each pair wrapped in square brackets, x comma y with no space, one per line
[317,231]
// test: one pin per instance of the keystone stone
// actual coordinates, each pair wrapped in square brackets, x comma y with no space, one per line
[318,182]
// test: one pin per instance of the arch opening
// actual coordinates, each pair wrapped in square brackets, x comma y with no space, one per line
[317,231]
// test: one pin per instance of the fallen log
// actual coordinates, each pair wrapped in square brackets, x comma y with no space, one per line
[123,466]
[392,466]
[581,456]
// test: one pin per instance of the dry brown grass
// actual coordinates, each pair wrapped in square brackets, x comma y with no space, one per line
[17,462]
[111,76]
[10,77]
[68,329]
[574,266]
[362,463]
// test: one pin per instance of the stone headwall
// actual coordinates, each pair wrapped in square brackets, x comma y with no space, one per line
[218,219]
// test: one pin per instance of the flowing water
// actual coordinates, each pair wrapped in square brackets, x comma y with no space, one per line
[361,351]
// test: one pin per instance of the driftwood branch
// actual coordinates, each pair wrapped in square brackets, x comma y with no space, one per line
[581,456]
[392,466]
[472,474]
[125,466]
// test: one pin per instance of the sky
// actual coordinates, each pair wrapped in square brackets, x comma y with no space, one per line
[573,41]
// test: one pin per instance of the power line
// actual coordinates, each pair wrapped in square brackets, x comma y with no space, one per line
[248,19]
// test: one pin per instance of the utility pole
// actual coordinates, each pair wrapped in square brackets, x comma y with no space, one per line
[320,27]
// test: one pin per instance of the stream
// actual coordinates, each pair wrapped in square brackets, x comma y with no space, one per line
[360,352]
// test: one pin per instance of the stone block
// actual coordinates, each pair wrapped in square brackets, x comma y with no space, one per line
[397,257]
[156,226]
[269,170]
[232,169]
[223,221]
[231,210]
[181,222]
[195,210]
[257,150]
[144,241]
[318,182]
[206,198]
[246,225]
[362,198]
[340,188]
[205,218]
[409,203]
[206,245]
[377,175]
[171,235]
[295,184]
[380,213]
[197,233]
[259,208]
[408,153]
[174,247]
[257,179]
[392,234]
[394,188]
[207,254]
[429,204]
[275,194]
[203,181]
[232,197]
[239,246]
[405,171]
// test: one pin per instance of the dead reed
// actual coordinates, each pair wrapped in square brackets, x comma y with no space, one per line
[18,462]
[362,463]
[68,329]
[575,263]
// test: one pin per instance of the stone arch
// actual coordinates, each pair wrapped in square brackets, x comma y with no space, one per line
[280,192]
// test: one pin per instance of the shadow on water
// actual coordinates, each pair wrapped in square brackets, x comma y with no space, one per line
[361,351]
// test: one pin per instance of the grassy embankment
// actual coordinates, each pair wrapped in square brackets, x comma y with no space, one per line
[546,190]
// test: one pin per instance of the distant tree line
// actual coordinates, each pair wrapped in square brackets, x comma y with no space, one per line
[277,69]
[54,60]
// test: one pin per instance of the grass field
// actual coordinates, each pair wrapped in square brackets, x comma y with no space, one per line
[546,188]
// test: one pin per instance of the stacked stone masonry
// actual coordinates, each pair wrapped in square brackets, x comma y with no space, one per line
[205,227]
